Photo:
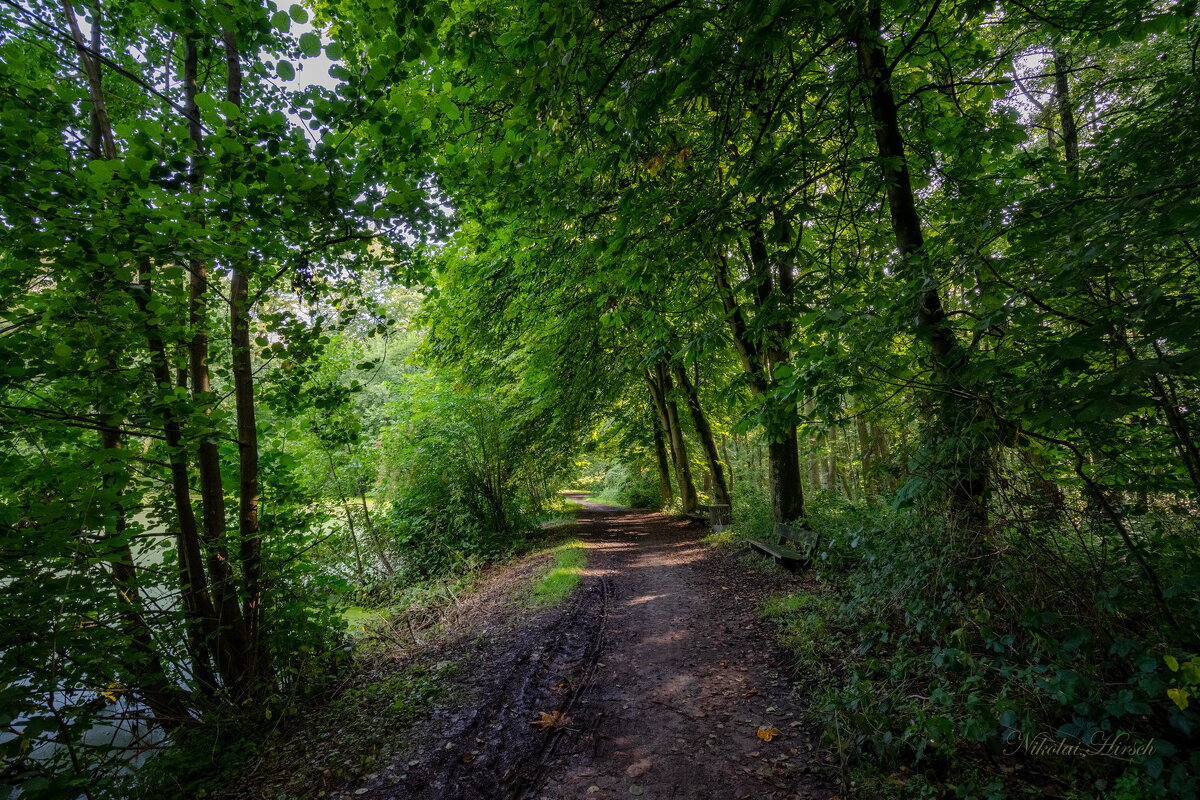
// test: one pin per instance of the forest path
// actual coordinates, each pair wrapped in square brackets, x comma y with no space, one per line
[661,666]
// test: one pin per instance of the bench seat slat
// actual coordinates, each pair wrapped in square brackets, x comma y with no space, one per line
[809,542]
[778,551]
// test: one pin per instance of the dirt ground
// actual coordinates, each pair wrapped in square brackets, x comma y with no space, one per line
[656,677]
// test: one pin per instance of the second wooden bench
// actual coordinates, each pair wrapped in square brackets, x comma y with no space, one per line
[794,548]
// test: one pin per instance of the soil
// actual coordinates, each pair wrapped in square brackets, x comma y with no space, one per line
[656,674]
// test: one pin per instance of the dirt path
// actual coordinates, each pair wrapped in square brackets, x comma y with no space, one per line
[660,665]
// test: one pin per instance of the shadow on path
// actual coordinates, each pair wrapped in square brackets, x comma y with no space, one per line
[661,666]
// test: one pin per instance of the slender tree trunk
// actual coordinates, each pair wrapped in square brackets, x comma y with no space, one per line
[683,467]
[783,454]
[202,618]
[832,459]
[665,492]
[345,502]
[103,143]
[231,640]
[249,534]
[1066,113]
[153,685]
[864,453]
[967,466]
[1162,394]
[373,532]
[660,387]
[814,464]
[704,431]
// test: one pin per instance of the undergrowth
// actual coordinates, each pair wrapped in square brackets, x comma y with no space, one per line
[617,484]
[337,725]
[305,752]
[937,679]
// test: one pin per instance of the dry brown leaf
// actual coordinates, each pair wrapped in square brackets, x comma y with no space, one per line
[767,734]
[551,719]
[751,693]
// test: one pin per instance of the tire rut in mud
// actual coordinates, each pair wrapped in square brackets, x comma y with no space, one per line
[489,749]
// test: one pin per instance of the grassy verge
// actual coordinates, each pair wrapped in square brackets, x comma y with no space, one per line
[728,539]
[802,621]
[563,576]
[560,514]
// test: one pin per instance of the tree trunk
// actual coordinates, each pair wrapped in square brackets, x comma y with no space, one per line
[1066,113]
[660,388]
[665,492]
[373,532]
[153,685]
[864,453]
[704,431]
[814,464]
[966,467]
[231,638]
[787,494]
[787,498]
[249,535]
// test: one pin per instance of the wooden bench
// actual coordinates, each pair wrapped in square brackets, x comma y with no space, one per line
[719,516]
[795,548]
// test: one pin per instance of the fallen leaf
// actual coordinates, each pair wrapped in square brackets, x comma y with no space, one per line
[767,734]
[552,719]
[751,693]
[467,758]
[636,790]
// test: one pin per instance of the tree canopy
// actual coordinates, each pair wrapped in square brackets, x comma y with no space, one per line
[308,303]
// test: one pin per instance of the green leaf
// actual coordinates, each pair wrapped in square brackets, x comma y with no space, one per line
[448,108]
[285,70]
[310,44]
[298,14]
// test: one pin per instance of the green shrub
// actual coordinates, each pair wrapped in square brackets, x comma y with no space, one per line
[948,678]
[623,485]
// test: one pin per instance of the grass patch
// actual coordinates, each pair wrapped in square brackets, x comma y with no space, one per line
[359,618]
[802,621]
[570,557]
[560,513]
[727,539]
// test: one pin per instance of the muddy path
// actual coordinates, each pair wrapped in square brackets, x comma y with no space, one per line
[661,668]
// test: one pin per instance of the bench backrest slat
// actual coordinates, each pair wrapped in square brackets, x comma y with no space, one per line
[809,541]
[802,535]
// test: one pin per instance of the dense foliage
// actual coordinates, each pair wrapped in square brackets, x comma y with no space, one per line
[921,276]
